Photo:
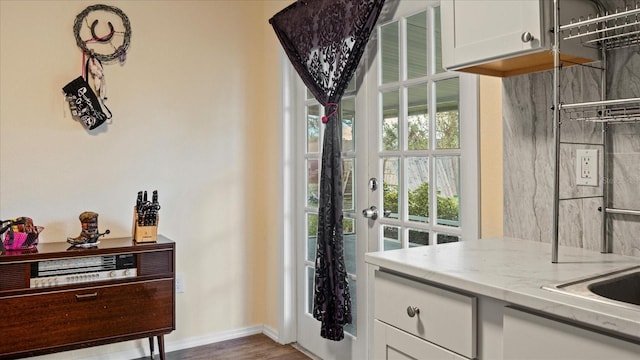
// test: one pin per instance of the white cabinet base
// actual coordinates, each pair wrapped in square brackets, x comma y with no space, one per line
[393,344]
[528,336]
[442,317]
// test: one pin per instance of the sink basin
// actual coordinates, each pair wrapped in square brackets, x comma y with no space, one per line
[619,288]
[625,288]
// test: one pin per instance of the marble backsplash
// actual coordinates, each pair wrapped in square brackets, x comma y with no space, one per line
[529,157]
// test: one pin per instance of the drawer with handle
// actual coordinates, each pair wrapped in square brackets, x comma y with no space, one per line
[443,317]
[64,318]
[393,344]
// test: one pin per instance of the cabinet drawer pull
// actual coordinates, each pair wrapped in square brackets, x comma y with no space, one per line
[413,311]
[84,297]
[526,37]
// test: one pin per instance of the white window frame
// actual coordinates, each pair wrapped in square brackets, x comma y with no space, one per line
[469,142]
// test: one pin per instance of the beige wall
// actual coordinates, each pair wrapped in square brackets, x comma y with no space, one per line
[195,116]
[491,199]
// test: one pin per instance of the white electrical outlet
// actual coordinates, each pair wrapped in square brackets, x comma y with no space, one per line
[587,167]
[179,283]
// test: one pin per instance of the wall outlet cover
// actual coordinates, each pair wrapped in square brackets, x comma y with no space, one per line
[587,167]
[179,283]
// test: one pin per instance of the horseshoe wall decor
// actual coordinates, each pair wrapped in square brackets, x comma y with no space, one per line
[107,47]
[104,38]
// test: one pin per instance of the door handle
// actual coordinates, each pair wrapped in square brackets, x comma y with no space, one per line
[370,213]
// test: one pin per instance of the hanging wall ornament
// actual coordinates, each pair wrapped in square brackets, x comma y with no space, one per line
[103,32]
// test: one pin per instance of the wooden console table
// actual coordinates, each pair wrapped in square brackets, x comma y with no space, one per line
[74,309]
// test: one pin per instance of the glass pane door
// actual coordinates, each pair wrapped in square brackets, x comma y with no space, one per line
[352,346]
[418,146]
[401,126]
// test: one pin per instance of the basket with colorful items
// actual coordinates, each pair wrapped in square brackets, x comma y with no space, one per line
[19,234]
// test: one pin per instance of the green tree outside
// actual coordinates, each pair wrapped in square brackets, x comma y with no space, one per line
[448,208]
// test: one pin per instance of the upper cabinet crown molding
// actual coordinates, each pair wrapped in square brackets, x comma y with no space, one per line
[506,38]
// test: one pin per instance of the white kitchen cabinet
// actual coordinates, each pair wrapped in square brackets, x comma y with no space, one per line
[529,336]
[391,343]
[448,324]
[500,274]
[505,38]
[416,318]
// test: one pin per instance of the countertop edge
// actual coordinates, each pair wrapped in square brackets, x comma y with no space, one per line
[621,321]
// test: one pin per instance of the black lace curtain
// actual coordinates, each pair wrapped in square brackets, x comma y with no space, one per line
[325,39]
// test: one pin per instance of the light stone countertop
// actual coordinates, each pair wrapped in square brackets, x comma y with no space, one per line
[514,270]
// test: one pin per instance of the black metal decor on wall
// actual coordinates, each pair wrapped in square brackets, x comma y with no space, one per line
[324,40]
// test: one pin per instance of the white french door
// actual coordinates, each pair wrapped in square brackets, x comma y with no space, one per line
[403,124]
[424,138]
[354,148]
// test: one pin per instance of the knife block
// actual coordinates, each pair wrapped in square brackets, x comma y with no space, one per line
[142,234]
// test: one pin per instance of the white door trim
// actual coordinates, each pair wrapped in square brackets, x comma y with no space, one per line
[287,321]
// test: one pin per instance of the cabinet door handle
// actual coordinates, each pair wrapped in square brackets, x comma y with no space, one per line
[526,37]
[84,297]
[413,311]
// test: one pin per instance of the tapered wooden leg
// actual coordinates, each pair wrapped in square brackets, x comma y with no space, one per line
[161,346]
[151,343]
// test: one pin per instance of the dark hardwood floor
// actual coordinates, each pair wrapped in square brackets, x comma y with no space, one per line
[254,347]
